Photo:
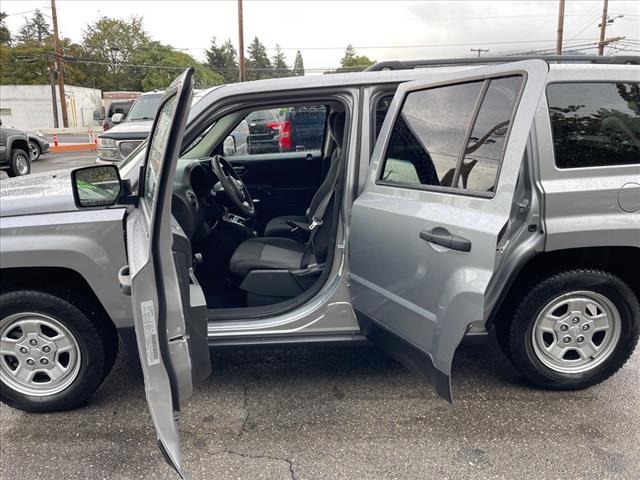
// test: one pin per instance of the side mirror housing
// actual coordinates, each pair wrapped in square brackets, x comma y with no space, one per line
[117,118]
[229,146]
[97,186]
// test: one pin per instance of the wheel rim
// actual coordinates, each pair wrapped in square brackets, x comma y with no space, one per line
[39,356]
[576,332]
[22,166]
[34,150]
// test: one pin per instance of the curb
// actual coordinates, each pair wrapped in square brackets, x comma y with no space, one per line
[73,147]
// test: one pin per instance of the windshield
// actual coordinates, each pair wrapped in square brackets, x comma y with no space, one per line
[145,108]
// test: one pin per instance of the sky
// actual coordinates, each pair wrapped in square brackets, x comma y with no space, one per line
[382,30]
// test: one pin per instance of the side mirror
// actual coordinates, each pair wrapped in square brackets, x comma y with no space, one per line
[96,186]
[229,146]
[117,118]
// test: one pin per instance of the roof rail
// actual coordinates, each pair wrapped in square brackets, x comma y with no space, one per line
[409,64]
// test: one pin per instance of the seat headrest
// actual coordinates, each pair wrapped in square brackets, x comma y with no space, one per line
[336,127]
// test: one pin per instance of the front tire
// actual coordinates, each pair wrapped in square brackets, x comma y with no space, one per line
[574,329]
[54,353]
[34,149]
[20,163]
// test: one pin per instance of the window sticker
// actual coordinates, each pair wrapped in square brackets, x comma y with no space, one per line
[152,346]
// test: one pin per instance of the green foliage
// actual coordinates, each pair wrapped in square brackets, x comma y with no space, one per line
[5,34]
[298,65]
[223,60]
[258,64]
[351,62]
[35,29]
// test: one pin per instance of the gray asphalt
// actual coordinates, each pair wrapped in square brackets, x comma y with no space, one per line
[338,413]
[56,161]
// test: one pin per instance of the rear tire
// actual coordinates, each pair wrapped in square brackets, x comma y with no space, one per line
[37,325]
[20,163]
[34,149]
[574,329]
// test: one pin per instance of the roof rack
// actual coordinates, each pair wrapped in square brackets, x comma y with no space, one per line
[409,64]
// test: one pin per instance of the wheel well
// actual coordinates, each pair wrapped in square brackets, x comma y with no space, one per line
[621,261]
[56,280]
[22,144]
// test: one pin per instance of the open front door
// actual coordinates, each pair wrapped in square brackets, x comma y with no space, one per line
[168,305]
[426,232]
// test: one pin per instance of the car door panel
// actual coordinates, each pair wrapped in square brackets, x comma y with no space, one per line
[168,304]
[417,297]
[284,183]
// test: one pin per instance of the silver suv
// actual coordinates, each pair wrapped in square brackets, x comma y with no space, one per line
[442,202]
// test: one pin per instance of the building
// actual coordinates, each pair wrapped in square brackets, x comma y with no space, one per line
[29,107]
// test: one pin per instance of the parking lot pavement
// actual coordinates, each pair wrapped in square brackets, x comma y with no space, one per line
[340,413]
[57,161]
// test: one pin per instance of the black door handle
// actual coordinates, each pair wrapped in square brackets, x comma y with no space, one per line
[443,237]
[240,169]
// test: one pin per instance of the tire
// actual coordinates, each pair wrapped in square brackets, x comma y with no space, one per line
[20,163]
[92,351]
[34,148]
[592,353]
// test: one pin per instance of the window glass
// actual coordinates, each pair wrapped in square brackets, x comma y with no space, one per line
[275,130]
[595,124]
[382,107]
[158,147]
[144,108]
[429,134]
[482,158]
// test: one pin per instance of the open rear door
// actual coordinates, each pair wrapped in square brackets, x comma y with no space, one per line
[168,305]
[427,230]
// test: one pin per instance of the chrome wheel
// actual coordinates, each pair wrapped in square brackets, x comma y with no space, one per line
[22,165]
[576,332]
[35,151]
[39,356]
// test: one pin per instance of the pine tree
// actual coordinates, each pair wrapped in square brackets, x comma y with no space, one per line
[351,62]
[5,34]
[279,62]
[298,65]
[34,30]
[258,64]
[223,60]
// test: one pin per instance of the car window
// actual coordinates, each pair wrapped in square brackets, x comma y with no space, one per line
[145,107]
[431,134]
[428,135]
[595,124]
[278,130]
[382,107]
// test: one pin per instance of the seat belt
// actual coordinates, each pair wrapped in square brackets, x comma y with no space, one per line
[318,215]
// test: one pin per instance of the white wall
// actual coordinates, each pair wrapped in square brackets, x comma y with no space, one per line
[29,106]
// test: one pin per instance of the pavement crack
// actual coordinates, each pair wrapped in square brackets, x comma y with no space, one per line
[267,457]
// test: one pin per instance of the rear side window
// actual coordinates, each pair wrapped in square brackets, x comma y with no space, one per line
[432,145]
[595,124]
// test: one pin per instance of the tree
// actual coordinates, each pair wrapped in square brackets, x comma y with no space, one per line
[258,64]
[157,78]
[298,65]
[35,29]
[351,62]
[112,42]
[5,34]
[223,60]
[279,63]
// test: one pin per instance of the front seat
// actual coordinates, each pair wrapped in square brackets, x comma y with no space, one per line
[273,269]
[281,226]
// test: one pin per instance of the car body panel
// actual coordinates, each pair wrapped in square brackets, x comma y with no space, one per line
[425,294]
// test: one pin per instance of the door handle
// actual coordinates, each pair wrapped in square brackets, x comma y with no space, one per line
[443,237]
[124,278]
[240,169]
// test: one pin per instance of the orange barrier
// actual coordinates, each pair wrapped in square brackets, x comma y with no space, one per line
[73,147]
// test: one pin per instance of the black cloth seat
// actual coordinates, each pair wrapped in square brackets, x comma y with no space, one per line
[267,254]
[278,226]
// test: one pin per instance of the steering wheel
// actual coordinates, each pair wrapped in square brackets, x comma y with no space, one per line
[233,186]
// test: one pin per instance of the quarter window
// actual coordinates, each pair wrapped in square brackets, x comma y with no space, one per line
[595,124]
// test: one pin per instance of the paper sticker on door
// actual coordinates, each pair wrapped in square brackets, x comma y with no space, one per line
[152,346]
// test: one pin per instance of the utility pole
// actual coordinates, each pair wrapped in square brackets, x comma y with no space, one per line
[241,76]
[54,101]
[59,64]
[603,28]
[560,28]
[479,50]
